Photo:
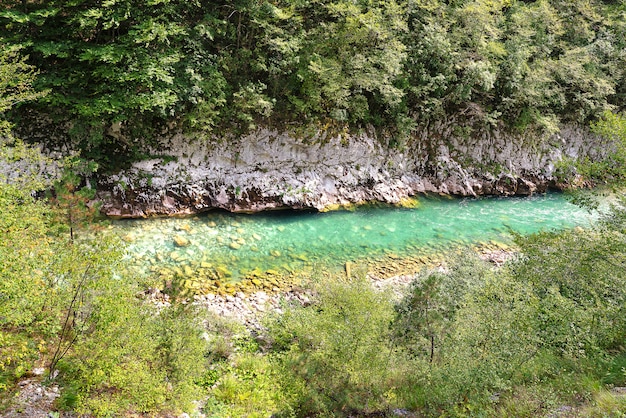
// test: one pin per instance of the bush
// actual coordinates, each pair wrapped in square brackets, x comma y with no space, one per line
[578,279]
[247,387]
[424,317]
[467,331]
[335,356]
[136,359]
[550,321]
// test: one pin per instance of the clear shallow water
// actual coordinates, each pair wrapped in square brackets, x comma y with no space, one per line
[232,247]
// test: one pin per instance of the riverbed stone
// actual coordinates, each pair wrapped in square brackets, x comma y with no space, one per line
[223,271]
[299,256]
[181,241]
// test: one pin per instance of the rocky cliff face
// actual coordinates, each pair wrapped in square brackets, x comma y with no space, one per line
[268,169]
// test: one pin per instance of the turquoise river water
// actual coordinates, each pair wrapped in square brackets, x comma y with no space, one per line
[229,247]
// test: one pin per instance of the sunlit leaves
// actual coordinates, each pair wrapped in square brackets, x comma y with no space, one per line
[16,77]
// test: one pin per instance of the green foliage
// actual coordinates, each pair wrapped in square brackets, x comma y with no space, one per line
[578,279]
[16,78]
[248,387]
[241,381]
[121,62]
[25,246]
[135,359]
[71,196]
[335,356]
[24,251]
[423,320]
[523,63]
[552,323]
[40,270]
[349,75]
[611,169]
[468,331]
[64,305]
[123,72]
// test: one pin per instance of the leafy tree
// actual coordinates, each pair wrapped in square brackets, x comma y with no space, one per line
[335,59]
[65,305]
[578,277]
[527,64]
[123,72]
[612,129]
[71,196]
[425,316]
[23,321]
[120,63]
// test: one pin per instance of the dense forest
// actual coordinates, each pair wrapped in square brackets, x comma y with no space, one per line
[543,335]
[218,67]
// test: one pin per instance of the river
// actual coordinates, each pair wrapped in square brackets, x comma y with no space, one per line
[223,250]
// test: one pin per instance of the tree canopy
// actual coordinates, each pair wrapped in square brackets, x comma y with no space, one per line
[392,64]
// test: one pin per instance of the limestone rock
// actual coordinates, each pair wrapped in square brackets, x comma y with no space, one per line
[268,169]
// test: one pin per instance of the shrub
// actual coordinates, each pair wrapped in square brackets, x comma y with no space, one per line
[135,359]
[247,387]
[335,356]
[578,278]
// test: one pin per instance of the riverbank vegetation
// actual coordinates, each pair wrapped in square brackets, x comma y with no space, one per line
[543,334]
[119,73]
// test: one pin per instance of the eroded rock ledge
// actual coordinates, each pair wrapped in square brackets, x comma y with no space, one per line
[268,170]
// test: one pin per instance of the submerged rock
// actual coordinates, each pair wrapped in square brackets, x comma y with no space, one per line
[181,241]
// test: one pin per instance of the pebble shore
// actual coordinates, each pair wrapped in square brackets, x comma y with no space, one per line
[249,308]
